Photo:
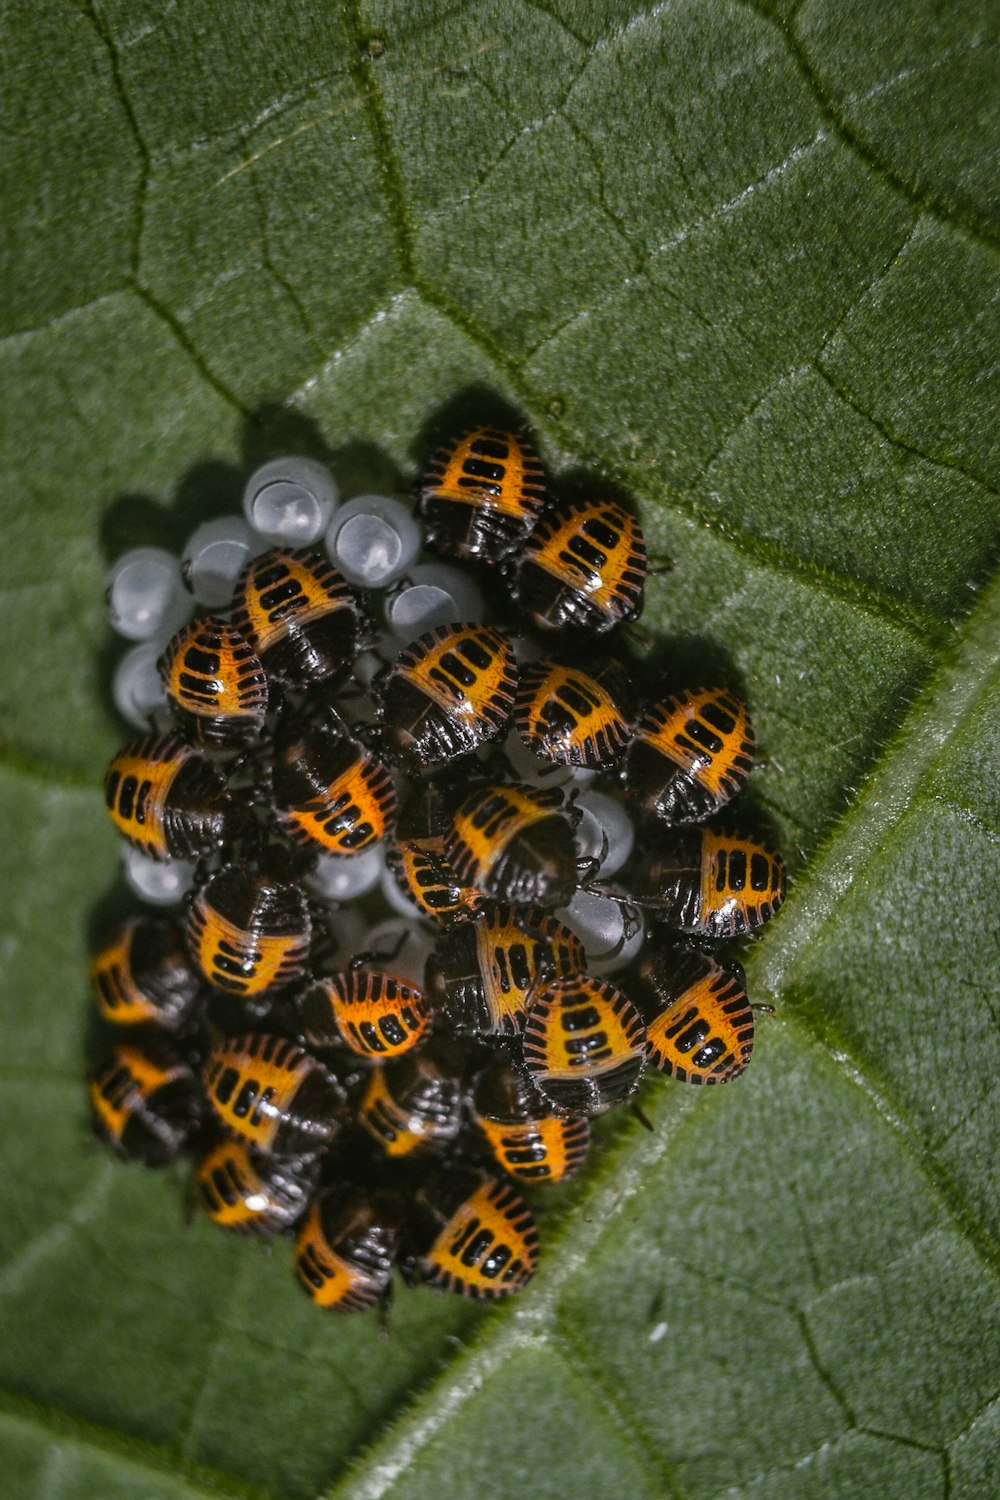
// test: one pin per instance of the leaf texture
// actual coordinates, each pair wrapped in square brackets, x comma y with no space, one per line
[742,260]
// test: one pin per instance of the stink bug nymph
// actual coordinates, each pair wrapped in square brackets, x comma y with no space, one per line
[690,755]
[583,568]
[168,799]
[215,683]
[273,1094]
[449,692]
[472,1235]
[584,1044]
[481,494]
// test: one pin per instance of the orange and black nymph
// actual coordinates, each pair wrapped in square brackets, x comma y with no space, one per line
[370,1011]
[215,684]
[583,568]
[249,1192]
[346,1248]
[168,799]
[449,692]
[481,494]
[416,859]
[573,715]
[143,976]
[525,1137]
[515,842]
[299,614]
[690,755]
[471,1235]
[273,1094]
[247,931]
[482,971]
[707,883]
[699,1024]
[331,794]
[414,1103]
[584,1044]
[144,1102]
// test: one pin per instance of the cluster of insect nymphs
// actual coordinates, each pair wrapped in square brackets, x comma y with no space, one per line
[380,1008]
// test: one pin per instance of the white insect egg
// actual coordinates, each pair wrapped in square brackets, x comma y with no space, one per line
[604,817]
[290,500]
[214,557]
[345,877]
[373,539]
[611,931]
[137,687]
[158,883]
[404,948]
[432,594]
[145,595]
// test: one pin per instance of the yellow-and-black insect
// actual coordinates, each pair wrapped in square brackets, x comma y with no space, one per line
[707,883]
[144,1102]
[415,1102]
[168,799]
[215,684]
[481,494]
[346,1247]
[699,1024]
[248,1192]
[273,1094]
[449,692]
[332,795]
[143,976]
[583,568]
[415,856]
[300,615]
[527,1139]
[472,1235]
[247,931]
[584,1044]
[482,971]
[690,754]
[515,842]
[372,1012]
[574,715]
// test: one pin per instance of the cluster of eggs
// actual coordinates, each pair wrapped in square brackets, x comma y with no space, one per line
[382,1006]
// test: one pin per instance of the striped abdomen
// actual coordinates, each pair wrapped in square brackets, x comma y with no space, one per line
[429,881]
[584,1044]
[370,1011]
[248,934]
[249,1193]
[143,975]
[345,1249]
[481,494]
[167,799]
[215,683]
[515,843]
[144,1103]
[414,1103]
[272,1093]
[583,566]
[570,716]
[333,795]
[699,1024]
[299,613]
[487,1248]
[483,969]
[448,693]
[525,1138]
[690,755]
[708,883]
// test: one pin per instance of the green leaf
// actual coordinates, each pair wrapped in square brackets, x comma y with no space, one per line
[743,260]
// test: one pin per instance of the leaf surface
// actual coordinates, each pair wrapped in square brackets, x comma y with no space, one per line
[741,259]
